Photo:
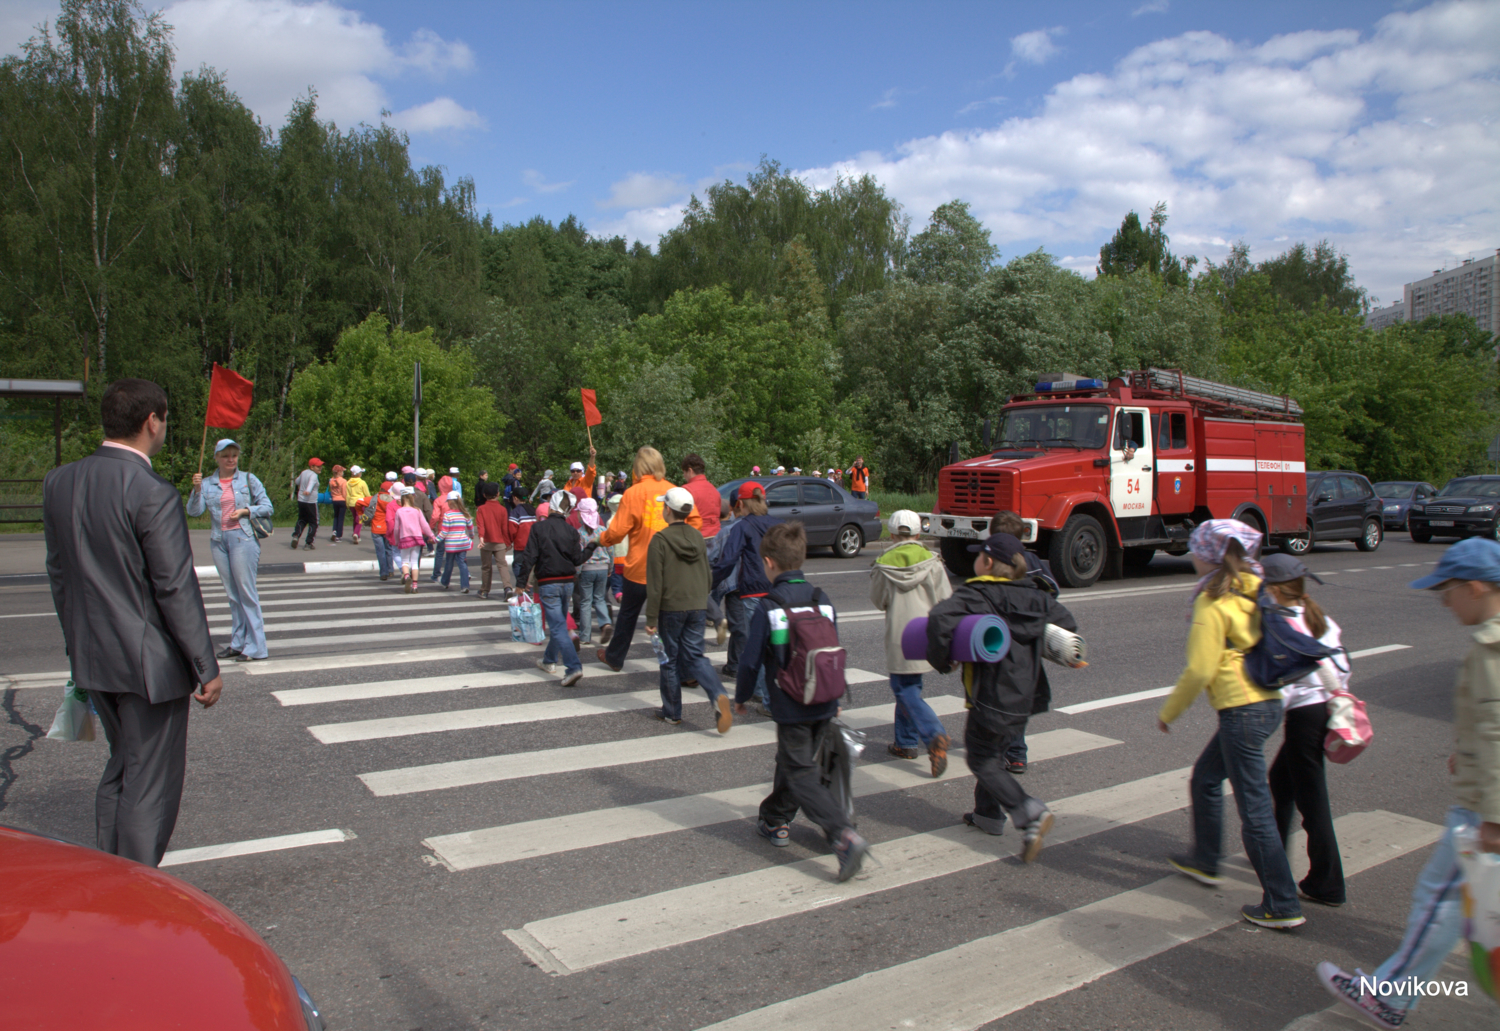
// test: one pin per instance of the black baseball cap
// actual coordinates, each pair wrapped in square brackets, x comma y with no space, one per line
[1280,569]
[1002,546]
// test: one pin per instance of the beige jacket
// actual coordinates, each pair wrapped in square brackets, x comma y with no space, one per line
[1476,717]
[904,586]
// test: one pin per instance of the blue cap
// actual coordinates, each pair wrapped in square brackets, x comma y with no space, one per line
[1477,558]
[1002,546]
[220,445]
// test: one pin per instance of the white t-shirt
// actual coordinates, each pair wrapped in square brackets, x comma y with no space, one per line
[1310,690]
[307,486]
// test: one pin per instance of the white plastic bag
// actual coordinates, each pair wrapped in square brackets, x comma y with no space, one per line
[1481,892]
[74,721]
[526,619]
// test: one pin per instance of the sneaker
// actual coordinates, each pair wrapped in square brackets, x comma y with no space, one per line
[482,595]
[1260,916]
[600,656]
[464,591]
[1015,767]
[661,714]
[1192,868]
[308,546]
[295,542]
[1330,903]
[1345,988]
[985,823]
[385,576]
[726,713]
[333,542]
[549,668]
[723,631]
[937,751]
[851,850]
[778,834]
[572,678]
[901,753]
[606,632]
[1033,833]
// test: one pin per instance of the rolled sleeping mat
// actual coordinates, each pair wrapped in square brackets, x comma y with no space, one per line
[1064,647]
[983,638]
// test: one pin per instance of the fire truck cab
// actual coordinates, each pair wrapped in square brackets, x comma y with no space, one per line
[1106,474]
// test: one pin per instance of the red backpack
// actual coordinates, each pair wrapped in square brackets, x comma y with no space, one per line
[814,671]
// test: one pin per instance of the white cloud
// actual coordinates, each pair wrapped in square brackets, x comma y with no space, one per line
[645,224]
[643,190]
[538,182]
[272,51]
[978,105]
[1035,47]
[887,99]
[1151,7]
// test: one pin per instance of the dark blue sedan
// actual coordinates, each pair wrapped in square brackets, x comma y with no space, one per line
[832,517]
[1397,496]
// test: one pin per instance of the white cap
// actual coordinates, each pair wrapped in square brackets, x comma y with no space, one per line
[454,495]
[391,476]
[453,469]
[613,501]
[679,500]
[576,467]
[356,470]
[904,519]
[781,468]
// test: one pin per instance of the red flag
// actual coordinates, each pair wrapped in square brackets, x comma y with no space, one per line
[591,416]
[229,397]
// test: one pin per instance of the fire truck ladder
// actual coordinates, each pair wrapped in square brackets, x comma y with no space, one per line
[1174,382]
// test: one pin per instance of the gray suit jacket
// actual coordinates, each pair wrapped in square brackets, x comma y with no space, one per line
[122,578]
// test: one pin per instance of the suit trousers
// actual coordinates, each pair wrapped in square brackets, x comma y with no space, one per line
[136,806]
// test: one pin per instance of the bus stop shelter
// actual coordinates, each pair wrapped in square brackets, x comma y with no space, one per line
[57,389]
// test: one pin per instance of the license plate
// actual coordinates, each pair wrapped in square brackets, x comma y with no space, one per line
[1440,522]
[961,532]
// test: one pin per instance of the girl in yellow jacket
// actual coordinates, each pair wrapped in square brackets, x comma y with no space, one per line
[1226,624]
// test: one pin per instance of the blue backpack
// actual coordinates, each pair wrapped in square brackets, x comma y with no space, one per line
[1284,654]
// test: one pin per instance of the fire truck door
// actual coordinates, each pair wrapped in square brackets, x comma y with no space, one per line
[1131,473]
[1176,471]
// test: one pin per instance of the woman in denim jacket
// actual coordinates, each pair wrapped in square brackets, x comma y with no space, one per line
[231,498]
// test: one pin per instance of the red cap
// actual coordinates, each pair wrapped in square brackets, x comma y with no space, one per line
[513,465]
[314,461]
[338,468]
[749,489]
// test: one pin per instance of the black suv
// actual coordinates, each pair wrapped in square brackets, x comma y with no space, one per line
[1341,506]
[1465,507]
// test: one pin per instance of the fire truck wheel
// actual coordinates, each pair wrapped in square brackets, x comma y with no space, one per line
[1078,552]
[1372,537]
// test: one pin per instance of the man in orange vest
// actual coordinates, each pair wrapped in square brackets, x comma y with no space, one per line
[578,476]
[859,479]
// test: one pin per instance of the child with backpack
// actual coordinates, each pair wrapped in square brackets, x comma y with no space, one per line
[796,623]
[1226,623]
[1007,521]
[905,583]
[1298,780]
[677,606]
[1000,696]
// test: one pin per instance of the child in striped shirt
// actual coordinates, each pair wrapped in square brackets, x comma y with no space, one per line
[457,539]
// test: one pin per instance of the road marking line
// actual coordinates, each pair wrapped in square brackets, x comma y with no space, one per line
[340,624]
[28,615]
[502,644]
[515,765]
[371,601]
[1160,692]
[603,934]
[491,846]
[1039,961]
[178,857]
[455,682]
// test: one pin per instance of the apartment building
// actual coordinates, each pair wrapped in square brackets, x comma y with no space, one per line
[1472,288]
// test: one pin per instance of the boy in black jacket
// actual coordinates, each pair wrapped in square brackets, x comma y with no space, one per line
[1000,696]
[554,552]
[799,728]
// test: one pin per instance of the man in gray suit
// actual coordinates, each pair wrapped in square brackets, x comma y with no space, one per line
[132,616]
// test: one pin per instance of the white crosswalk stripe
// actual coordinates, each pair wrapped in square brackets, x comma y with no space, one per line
[435,719]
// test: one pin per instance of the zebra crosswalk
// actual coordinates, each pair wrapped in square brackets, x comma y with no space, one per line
[476,724]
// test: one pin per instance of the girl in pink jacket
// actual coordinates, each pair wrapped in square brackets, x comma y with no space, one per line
[409,531]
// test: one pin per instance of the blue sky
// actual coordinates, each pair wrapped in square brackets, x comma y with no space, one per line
[1374,124]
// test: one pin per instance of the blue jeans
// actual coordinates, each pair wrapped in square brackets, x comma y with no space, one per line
[748,608]
[556,599]
[237,558]
[437,561]
[593,588]
[681,636]
[916,723]
[1437,915]
[385,554]
[1237,751]
[459,559]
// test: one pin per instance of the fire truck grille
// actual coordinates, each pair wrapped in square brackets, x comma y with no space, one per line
[974,491]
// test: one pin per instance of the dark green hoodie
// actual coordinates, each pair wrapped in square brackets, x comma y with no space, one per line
[677,572]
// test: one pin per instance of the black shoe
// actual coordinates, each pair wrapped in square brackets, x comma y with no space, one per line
[295,542]
[226,652]
[1330,903]
[1015,767]
[661,715]
[242,657]
[308,546]
[729,671]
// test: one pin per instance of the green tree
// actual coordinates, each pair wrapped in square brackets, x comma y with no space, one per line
[1307,280]
[955,248]
[356,406]
[1135,247]
[656,404]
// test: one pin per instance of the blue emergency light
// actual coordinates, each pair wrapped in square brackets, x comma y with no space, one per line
[1071,384]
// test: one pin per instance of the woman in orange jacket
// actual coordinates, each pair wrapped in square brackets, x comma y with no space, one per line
[638,519]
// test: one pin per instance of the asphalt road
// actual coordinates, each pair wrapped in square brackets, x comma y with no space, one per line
[443,798]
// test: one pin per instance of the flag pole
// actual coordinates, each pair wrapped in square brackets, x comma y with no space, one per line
[202,446]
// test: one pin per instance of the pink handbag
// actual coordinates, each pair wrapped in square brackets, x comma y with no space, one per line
[1349,730]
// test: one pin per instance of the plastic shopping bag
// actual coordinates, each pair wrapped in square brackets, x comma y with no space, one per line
[74,721]
[1481,892]
[1349,730]
[526,619]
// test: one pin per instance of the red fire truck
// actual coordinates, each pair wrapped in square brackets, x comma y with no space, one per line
[1106,474]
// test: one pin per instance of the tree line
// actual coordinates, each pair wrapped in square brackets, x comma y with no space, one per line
[151,226]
